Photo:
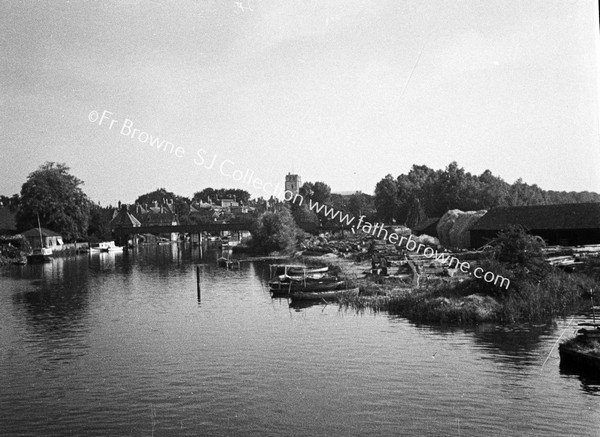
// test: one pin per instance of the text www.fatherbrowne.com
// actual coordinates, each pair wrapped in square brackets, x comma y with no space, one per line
[227,169]
[378,230]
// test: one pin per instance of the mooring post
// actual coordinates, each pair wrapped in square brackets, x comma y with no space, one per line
[198,280]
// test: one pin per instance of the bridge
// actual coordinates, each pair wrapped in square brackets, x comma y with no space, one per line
[121,232]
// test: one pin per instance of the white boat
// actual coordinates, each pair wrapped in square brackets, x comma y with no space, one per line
[107,246]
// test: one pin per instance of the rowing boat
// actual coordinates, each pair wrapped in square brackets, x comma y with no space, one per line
[323,295]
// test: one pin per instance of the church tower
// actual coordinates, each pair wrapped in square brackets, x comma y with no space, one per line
[292,183]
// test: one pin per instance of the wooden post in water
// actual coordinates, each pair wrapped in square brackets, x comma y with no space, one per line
[198,281]
[593,310]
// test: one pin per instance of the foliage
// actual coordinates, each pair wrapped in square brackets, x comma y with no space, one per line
[11,202]
[317,192]
[99,224]
[213,195]
[160,196]
[438,191]
[386,194]
[516,246]
[274,231]
[304,218]
[56,196]
[557,294]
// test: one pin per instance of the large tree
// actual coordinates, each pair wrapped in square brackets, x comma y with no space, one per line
[181,204]
[56,197]
[317,192]
[386,198]
[275,231]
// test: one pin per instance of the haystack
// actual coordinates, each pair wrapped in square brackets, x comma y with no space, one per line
[453,228]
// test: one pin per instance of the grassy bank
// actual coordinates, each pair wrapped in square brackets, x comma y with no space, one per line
[444,300]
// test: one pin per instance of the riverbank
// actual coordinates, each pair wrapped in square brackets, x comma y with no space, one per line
[461,300]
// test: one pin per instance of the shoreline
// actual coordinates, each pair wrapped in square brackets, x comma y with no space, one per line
[457,300]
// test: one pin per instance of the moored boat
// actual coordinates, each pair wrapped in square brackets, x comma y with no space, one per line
[285,289]
[583,351]
[301,270]
[323,295]
[304,283]
[40,255]
[106,246]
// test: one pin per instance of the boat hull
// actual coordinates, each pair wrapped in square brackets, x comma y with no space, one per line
[306,271]
[577,359]
[322,295]
[284,288]
[38,259]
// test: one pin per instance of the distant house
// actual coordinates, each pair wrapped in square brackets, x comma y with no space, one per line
[161,219]
[124,219]
[8,223]
[228,203]
[565,224]
[427,227]
[49,239]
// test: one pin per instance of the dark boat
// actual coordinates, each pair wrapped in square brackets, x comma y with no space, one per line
[323,295]
[40,255]
[285,289]
[583,351]
[327,282]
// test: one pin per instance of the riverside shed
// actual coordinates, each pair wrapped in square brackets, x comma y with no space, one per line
[49,239]
[564,224]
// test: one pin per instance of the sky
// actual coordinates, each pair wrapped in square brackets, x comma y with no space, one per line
[343,92]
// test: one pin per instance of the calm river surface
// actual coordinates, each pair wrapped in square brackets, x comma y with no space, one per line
[118,345]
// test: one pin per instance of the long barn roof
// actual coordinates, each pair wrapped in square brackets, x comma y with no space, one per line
[563,216]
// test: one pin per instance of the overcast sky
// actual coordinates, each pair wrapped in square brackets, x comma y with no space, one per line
[339,91]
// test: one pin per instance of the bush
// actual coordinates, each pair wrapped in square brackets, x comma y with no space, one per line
[275,231]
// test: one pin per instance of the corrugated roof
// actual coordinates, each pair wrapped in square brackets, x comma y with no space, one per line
[424,224]
[563,216]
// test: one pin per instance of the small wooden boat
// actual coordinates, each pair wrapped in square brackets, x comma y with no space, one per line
[325,283]
[309,277]
[306,270]
[40,255]
[323,295]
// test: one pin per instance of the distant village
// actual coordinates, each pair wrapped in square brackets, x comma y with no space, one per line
[449,208]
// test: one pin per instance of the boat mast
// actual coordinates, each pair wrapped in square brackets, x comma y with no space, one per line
[40,229]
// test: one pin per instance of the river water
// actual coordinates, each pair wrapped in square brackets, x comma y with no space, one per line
[119,345]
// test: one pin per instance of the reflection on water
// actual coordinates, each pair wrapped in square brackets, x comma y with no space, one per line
[117,344]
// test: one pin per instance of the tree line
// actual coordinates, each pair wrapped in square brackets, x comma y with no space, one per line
[57,198]
[425,192]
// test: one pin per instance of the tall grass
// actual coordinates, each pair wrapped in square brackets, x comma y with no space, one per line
[558,294]
[533,300]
